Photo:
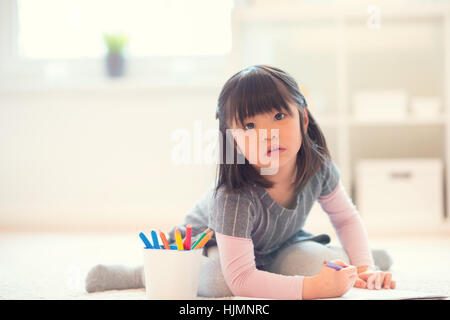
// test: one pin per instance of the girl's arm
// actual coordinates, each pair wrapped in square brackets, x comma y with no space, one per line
[238,266]
[349,227]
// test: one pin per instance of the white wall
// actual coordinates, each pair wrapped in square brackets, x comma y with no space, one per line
[99,159]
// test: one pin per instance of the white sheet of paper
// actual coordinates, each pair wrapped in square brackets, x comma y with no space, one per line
[385,294]
[382,294]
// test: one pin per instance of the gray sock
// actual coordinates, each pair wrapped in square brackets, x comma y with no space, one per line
[114,277]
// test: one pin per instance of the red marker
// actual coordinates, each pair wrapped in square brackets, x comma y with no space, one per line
[187,239]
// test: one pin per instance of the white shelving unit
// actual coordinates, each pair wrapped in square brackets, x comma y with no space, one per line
[333,54]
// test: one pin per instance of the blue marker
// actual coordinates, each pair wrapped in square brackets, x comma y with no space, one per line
[155,239]
[144,239]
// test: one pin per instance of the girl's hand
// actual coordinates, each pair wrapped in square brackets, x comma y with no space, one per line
[329,283]
[371,279]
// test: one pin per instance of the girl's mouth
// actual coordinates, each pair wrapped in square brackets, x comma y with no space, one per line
[275,151]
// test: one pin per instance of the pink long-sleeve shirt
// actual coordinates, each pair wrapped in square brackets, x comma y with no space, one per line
[238,259]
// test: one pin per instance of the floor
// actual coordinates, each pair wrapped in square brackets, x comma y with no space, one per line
[54,265]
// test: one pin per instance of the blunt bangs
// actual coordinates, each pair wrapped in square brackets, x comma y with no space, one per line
[257,94]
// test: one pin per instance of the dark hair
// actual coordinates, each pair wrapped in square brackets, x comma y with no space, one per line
[257,90]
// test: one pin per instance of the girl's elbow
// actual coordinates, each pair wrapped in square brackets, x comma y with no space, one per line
[240,285]
[233,282]
[236,285]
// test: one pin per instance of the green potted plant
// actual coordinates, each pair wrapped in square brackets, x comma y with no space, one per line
[115,60]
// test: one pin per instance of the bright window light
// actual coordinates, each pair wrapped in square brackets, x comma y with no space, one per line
[65,29]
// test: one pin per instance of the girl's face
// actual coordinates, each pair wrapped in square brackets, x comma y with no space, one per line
[267,131]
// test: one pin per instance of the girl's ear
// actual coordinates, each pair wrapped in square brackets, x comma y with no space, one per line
[305,118]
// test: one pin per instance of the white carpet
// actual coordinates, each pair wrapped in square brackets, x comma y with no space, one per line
[54,265]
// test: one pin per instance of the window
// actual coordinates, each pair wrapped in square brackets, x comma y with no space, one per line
[72,29]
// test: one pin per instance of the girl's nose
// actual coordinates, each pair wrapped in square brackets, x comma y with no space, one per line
[272,133]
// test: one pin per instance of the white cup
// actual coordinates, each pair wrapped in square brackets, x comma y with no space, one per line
[172,274]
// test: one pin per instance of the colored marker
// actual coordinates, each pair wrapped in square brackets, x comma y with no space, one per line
[164,240]
[334,266]
[145,241]
[155,239]
[173,247]
[200,239]
[178,240]
[204,240]
[187,239]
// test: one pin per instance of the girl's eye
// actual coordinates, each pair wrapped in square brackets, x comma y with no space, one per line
[251,124]
[279,116]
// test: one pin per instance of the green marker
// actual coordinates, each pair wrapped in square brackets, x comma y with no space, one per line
[200,239]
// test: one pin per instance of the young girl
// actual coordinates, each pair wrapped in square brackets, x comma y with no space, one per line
[259,247]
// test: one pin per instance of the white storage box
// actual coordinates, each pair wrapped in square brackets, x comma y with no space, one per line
[380,105]
[400,194]
[426,107]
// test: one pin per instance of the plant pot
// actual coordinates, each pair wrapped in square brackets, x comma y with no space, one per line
[115,64]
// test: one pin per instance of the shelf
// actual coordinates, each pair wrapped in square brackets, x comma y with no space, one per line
[330,49]
[327,11]
[336,122]
[355,122]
